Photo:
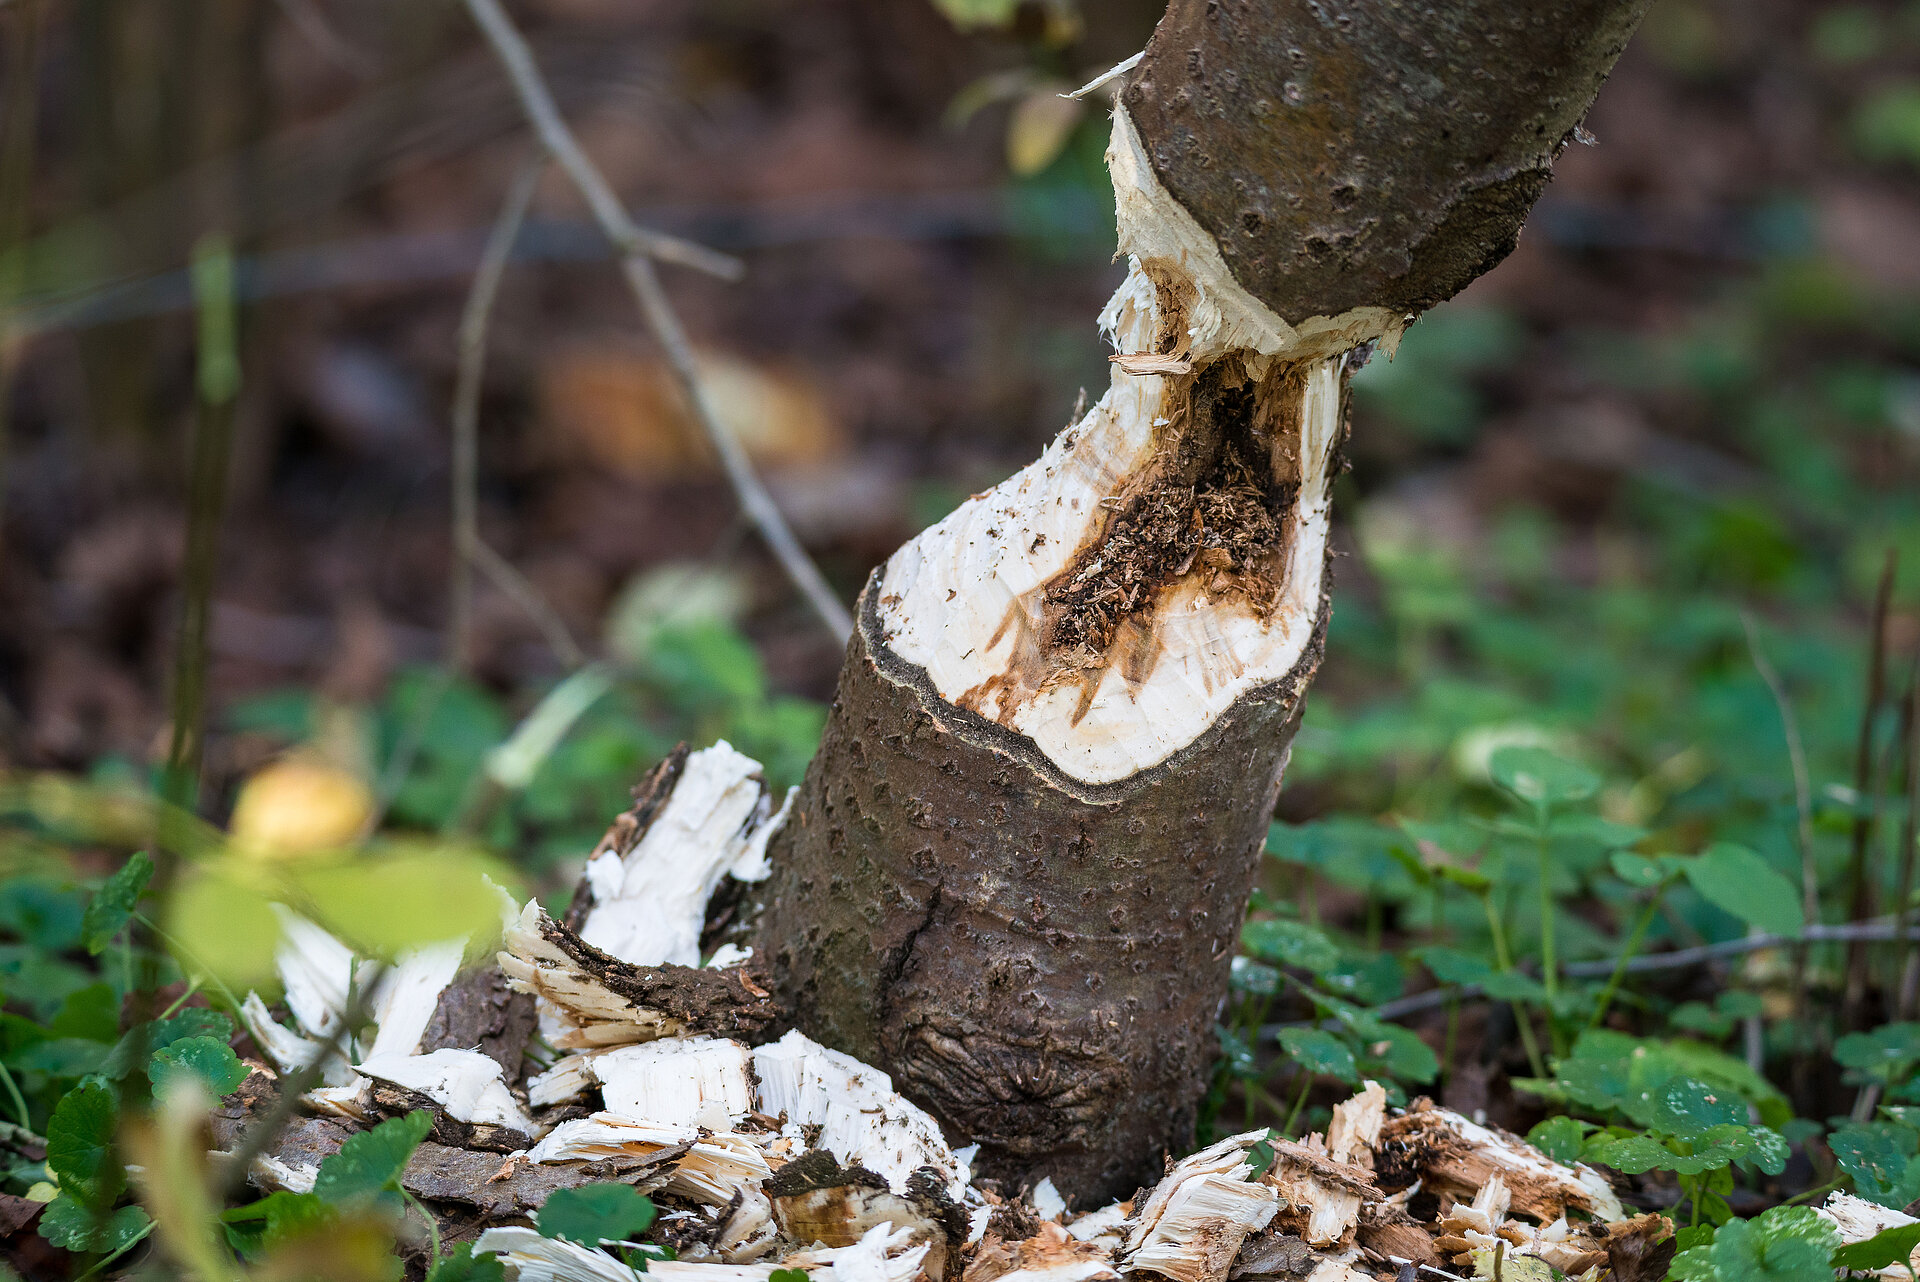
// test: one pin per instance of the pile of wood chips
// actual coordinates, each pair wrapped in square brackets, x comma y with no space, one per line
[766,1150]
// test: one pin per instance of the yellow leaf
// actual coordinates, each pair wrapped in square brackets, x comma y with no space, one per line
[219,923]
[1039,128]
[297,806]
[383,903]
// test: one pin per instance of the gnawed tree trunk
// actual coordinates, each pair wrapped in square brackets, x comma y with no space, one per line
[1016,869]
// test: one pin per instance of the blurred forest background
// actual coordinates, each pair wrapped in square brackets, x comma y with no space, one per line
[1693,392]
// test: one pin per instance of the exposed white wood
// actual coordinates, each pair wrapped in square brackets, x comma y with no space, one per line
[1858,1219]
[577,1010]
[1157,230]
[863,1120]
[1196,1219]
[1353,1131]
[532,1258]
[964,599]
[468,1083]
[712,1167]
[408,995]
[316,972]
[650,903]
[1046,1199]
[702,1080]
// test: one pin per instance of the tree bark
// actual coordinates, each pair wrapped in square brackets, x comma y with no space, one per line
[1350,153]
[1017,867]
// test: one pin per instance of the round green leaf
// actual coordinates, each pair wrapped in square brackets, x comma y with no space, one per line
[1538,776]
[1740,882]
[1687,1106]
[1290,943]
[1636,870]
[212,1061]
[1319,1052]
[596,1213]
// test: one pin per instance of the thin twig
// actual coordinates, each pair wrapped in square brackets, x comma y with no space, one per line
[292,1088]
[17,138]
[537,101]
[1680,958]
[470,550]
[639,249]
[1909,836]
[1866,783]
[1797,758]
[515,585]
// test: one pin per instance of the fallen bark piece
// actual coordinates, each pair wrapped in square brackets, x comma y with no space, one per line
[1325,1178]
[1390,1233]
[863,1121]
[1273,1253]
[708,1167]
[649,881]
[481,1011]
[1196,1219]
[1051,1255]
[491,1186]
[1641,1249]
[1106,1228]
[1858,1219]
[817,1201]
[467,1085]
[610,1002]
[880,1256]
[1451,1155]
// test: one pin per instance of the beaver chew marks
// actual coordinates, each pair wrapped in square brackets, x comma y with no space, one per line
[1212,504]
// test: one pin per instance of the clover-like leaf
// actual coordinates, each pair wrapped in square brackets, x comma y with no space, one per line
[595,1213]
[1738,881]
[1319,1052]
[1884,1054]
[1786,1244]
[369,1164]
[1560,1138]
[1452,966]
[113,905]
[1687,1106]
[80,1145]
[276,1218]
[137,1045]
[1880,1158]
[1539,777]
[212,1061]
[462,1265]
[1290,943]
[72,1225]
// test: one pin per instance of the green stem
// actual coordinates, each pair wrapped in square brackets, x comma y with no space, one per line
[1549,971]
[1505,961]
[1299,1102]
[1634,941]
[219,384]
[433,1229]
[105,1260]
[193,986]
[19,1100]
[180,947]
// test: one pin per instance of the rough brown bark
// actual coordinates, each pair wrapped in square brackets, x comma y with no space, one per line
[1350,153]
[1039,961]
